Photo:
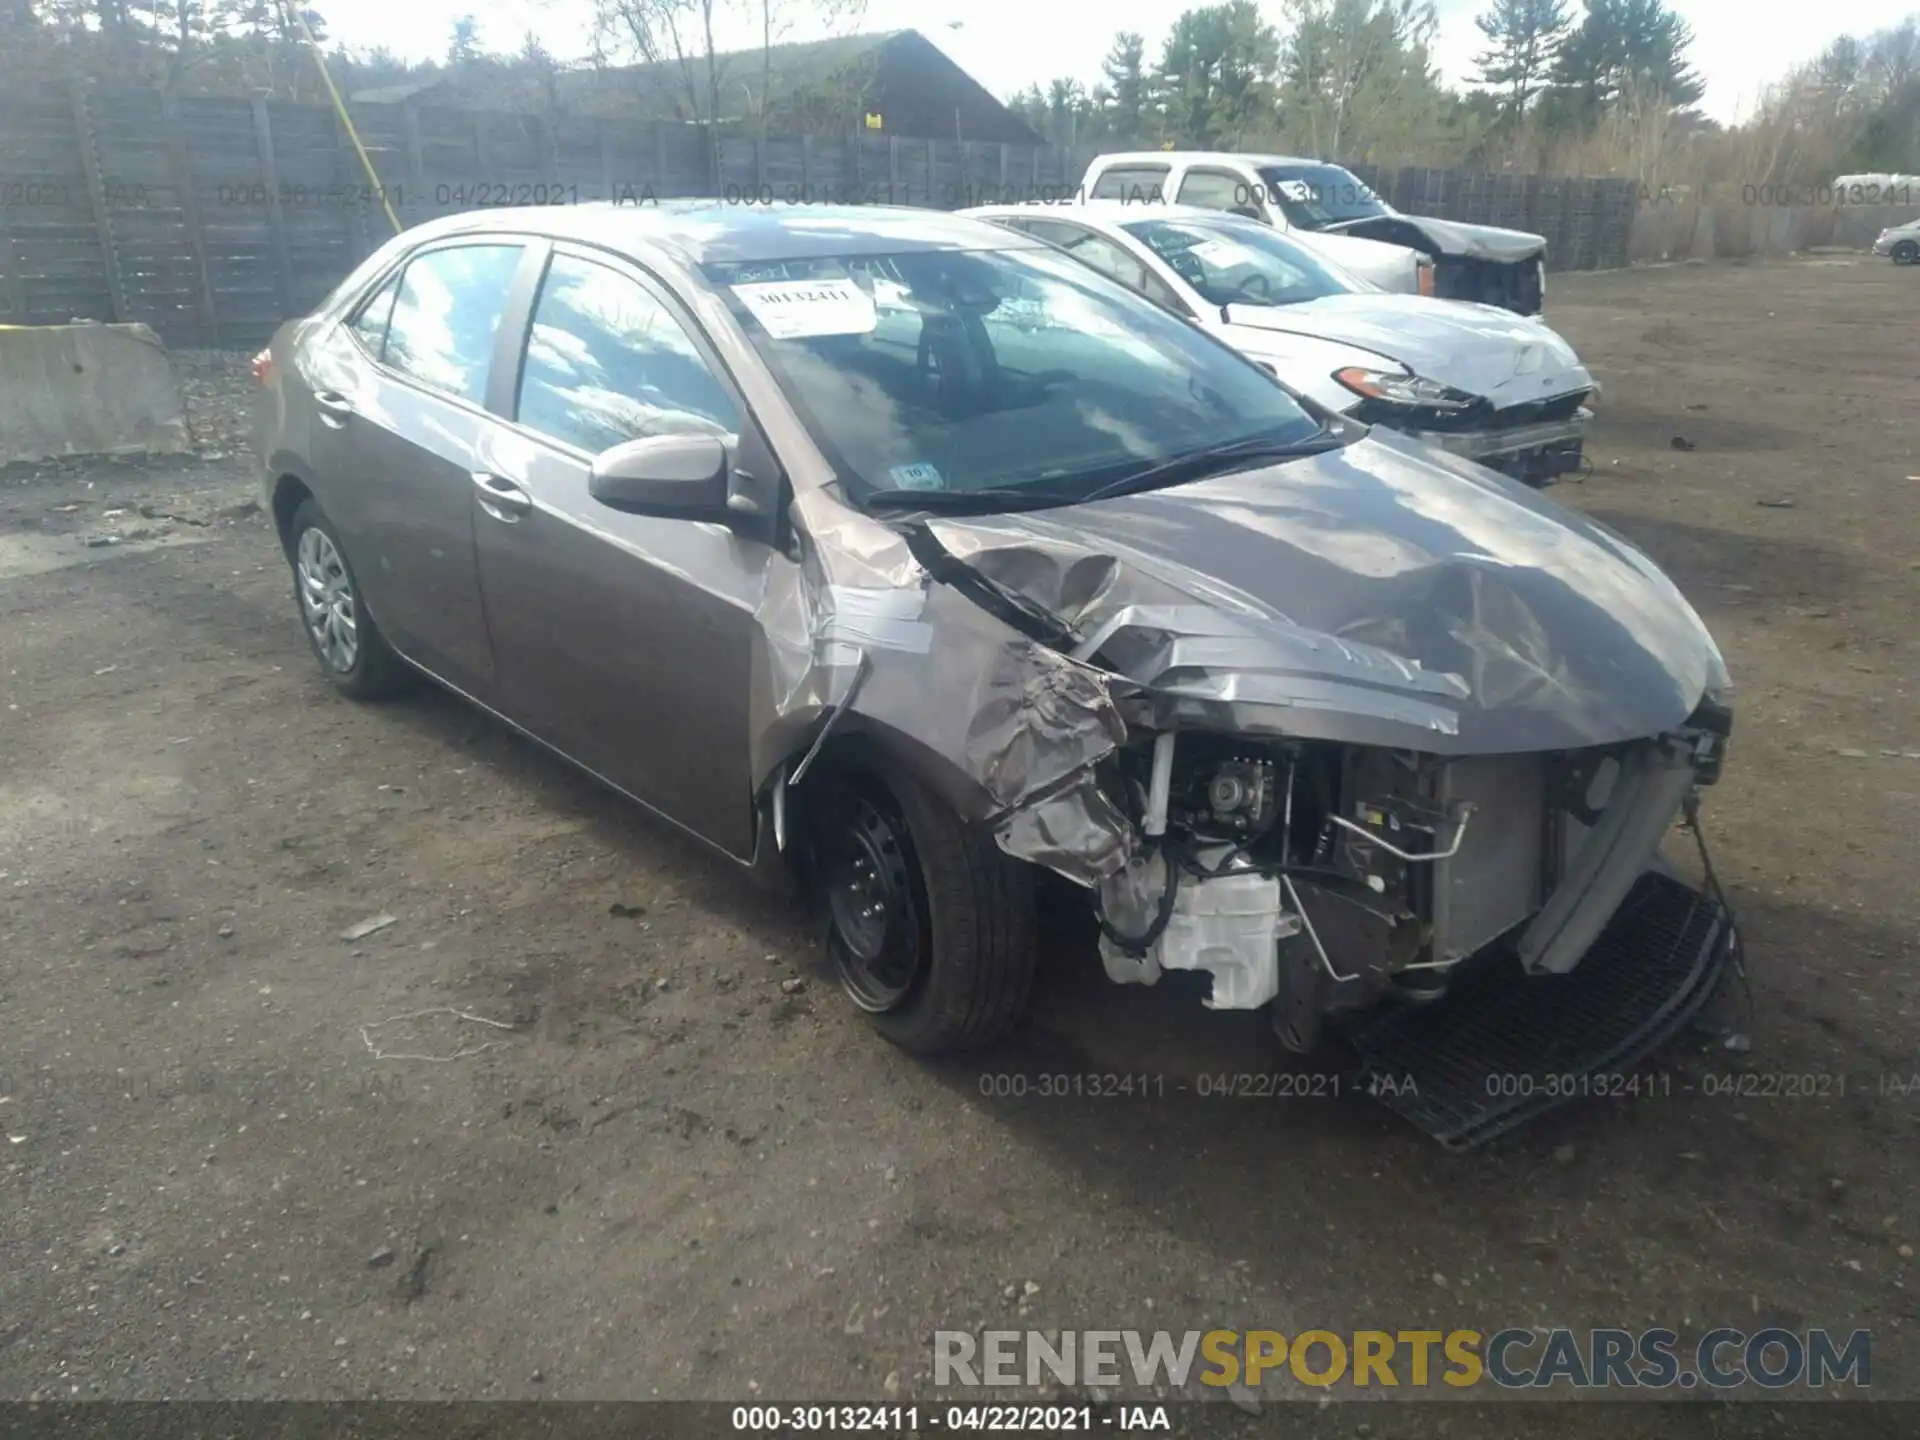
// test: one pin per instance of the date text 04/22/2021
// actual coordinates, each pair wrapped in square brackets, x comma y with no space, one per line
[961,1419]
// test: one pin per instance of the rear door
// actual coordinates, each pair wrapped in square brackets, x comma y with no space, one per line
[625,640]
[401,402]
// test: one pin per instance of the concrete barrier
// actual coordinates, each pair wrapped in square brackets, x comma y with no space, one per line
[86,390]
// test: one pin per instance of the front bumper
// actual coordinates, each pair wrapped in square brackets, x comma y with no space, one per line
[1884,245]
[1503,1046]
[1535,453]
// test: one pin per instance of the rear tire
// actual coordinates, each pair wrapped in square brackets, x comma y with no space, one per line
[930,926]
[352,652]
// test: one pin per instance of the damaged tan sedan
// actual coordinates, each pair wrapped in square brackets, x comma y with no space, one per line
[908,555]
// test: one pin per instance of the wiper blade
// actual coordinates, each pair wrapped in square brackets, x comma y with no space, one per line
[952,502]
[1215,460]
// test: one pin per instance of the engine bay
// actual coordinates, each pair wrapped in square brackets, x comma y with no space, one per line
[1324,878]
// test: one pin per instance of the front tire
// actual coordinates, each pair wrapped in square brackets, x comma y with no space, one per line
[1906,252]
[352,652]
[930,926]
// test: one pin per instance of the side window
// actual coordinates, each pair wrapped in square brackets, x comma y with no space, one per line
[371,323]
[1054,232]
[445,314]
[1217,190]
[1095,251]
[1132,182]
[607,363]
[1158,291]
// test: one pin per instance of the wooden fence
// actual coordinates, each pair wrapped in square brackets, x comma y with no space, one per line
[212,218]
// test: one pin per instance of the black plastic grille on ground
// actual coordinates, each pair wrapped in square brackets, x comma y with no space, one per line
[1501,1046]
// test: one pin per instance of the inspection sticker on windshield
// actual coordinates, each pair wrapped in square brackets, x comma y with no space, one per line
[1224,254]
[917,477]
[803,309]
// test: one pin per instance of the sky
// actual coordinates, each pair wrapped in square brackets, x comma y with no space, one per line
[1006,45]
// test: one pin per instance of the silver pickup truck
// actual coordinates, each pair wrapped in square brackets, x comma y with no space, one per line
[1330,209]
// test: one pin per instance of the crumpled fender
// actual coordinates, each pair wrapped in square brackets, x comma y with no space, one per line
[990,719]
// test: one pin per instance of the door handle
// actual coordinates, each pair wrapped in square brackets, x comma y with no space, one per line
[500,497]
[335,409]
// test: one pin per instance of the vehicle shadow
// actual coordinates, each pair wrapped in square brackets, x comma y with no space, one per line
[1623,421]
[705,879]
[1700,1160]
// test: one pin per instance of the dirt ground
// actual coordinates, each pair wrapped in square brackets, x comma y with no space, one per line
[644,1148]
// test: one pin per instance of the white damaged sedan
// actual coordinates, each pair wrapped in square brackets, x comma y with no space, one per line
[1475,380]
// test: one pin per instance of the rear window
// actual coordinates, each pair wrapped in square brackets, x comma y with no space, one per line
[1131,182]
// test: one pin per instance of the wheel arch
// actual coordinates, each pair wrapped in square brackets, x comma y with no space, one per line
[289,491]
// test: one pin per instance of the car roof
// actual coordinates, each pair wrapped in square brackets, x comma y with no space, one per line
[1199,157]
[1107,213]
[699,232]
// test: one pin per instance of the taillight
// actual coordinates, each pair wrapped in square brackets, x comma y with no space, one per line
[263,368]
[1425,276]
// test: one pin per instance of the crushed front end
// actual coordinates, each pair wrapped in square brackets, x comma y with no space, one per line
[1324,879]
[1535,442]
[1371,761]
[1491,933]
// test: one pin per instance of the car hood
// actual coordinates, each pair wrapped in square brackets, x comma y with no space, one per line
[1457,237]
[1480,349]
[1376,594]
[1380,261]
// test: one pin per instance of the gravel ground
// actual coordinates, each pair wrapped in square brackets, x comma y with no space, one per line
[585,1117]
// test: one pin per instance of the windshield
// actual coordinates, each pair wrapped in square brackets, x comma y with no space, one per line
[947,372]
[1316,196]
[1239,262]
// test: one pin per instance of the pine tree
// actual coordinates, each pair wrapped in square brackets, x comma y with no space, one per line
[1125,69]
[1624,47]
[1524,41]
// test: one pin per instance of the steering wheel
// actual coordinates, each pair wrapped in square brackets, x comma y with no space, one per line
[1255,287]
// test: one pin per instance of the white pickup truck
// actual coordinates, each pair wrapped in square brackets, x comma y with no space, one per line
[1330,209]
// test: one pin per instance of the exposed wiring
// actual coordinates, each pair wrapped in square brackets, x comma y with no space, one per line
[1162,917]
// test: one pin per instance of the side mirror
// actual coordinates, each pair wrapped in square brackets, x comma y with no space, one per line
[672,475]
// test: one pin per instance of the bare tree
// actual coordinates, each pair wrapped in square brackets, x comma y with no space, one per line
[676,35]
[779,19]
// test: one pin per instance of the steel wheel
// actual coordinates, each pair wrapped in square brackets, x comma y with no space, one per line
[871,908]
[327,600]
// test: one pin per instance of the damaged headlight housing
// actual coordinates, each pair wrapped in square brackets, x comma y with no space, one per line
[1394,387]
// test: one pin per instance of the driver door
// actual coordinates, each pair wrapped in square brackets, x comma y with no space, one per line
[623,640]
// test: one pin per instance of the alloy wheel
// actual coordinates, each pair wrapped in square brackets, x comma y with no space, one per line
[327,600]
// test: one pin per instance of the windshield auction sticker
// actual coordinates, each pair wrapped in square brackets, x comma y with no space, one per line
[1224,254]
[804,309]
